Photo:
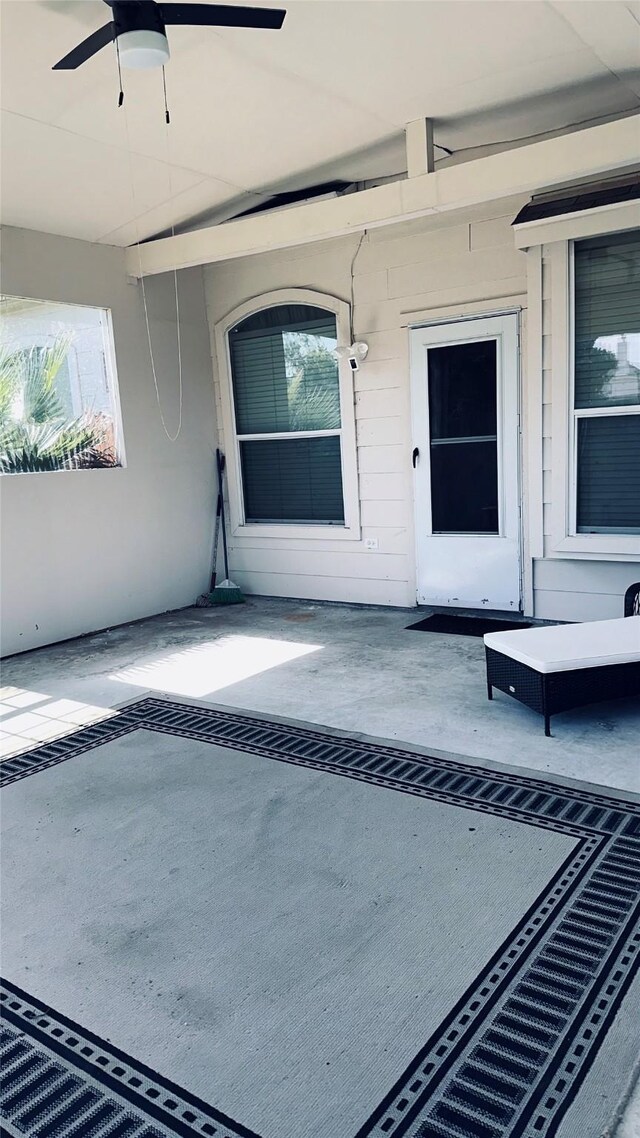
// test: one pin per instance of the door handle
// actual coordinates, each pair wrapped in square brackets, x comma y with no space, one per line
[415,456]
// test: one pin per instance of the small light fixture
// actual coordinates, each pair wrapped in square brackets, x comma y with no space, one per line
[353,353]
[143,49]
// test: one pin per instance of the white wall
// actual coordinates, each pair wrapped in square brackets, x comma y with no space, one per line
[461,263]
[84,550]
[587,589]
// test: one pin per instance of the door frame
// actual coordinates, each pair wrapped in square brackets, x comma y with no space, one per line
[470,319]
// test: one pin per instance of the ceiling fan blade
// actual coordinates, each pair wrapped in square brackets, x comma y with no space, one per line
[222,15]
[86,49]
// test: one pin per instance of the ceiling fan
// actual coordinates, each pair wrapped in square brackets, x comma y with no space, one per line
[139,29]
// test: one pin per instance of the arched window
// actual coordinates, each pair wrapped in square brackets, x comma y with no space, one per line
[288,415]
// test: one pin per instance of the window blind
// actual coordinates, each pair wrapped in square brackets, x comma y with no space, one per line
[608,474]
[607,321]
[293,480]
[607,375]
[285,380]
[285,371]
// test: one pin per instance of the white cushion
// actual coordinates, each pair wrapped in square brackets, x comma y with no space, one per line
[565,647]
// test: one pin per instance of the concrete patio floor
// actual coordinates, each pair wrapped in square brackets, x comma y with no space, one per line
[352,668]
[357,669]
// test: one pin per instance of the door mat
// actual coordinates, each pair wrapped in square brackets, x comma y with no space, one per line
[219,924]
[464,625]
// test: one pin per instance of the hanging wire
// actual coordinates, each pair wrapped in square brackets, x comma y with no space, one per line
[173,233]
[171,437]
[353,264]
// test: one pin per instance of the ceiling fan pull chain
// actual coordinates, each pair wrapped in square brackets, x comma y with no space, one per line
[164,87]
[121,95]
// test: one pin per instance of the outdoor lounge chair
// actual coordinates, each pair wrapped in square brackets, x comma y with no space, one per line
[562,666]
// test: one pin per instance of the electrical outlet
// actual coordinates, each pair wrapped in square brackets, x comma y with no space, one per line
[371,543]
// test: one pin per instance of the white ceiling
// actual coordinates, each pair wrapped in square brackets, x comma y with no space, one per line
[253,111]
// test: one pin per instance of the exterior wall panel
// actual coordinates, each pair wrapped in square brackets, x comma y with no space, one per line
[403,274]
[87,549]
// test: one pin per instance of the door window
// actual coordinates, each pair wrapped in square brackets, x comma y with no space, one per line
[463,438]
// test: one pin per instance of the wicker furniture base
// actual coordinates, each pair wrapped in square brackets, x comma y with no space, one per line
[551,692]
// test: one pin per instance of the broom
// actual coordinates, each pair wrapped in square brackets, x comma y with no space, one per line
[203,601]
[226,593]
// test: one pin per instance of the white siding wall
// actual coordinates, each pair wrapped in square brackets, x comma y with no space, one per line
[587,589]
[461,264]
[82,550]
[566,588]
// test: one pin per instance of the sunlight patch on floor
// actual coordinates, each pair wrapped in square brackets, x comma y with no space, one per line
[28,718]
[208,668]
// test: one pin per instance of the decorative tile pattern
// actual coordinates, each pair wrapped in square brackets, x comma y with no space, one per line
[512,1054]
[62,1081]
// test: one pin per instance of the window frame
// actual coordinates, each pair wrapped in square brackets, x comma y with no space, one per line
[239,526]
[565,539]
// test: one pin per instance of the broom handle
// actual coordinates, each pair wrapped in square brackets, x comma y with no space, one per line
[220,462]
[216,535]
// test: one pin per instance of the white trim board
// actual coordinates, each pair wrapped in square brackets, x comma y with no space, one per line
[474,309]
[603,219]
[525,169]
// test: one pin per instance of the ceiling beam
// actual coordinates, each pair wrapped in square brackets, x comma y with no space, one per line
[420,152]
[526,169]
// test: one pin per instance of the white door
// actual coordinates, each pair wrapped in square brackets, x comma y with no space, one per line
[464,379]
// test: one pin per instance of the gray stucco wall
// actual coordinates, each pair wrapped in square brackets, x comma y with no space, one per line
[82,550]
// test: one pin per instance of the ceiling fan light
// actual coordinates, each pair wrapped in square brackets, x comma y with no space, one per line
[142,49]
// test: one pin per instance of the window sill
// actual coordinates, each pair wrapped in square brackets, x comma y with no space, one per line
[268,530]
[607,547]
[61,470]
